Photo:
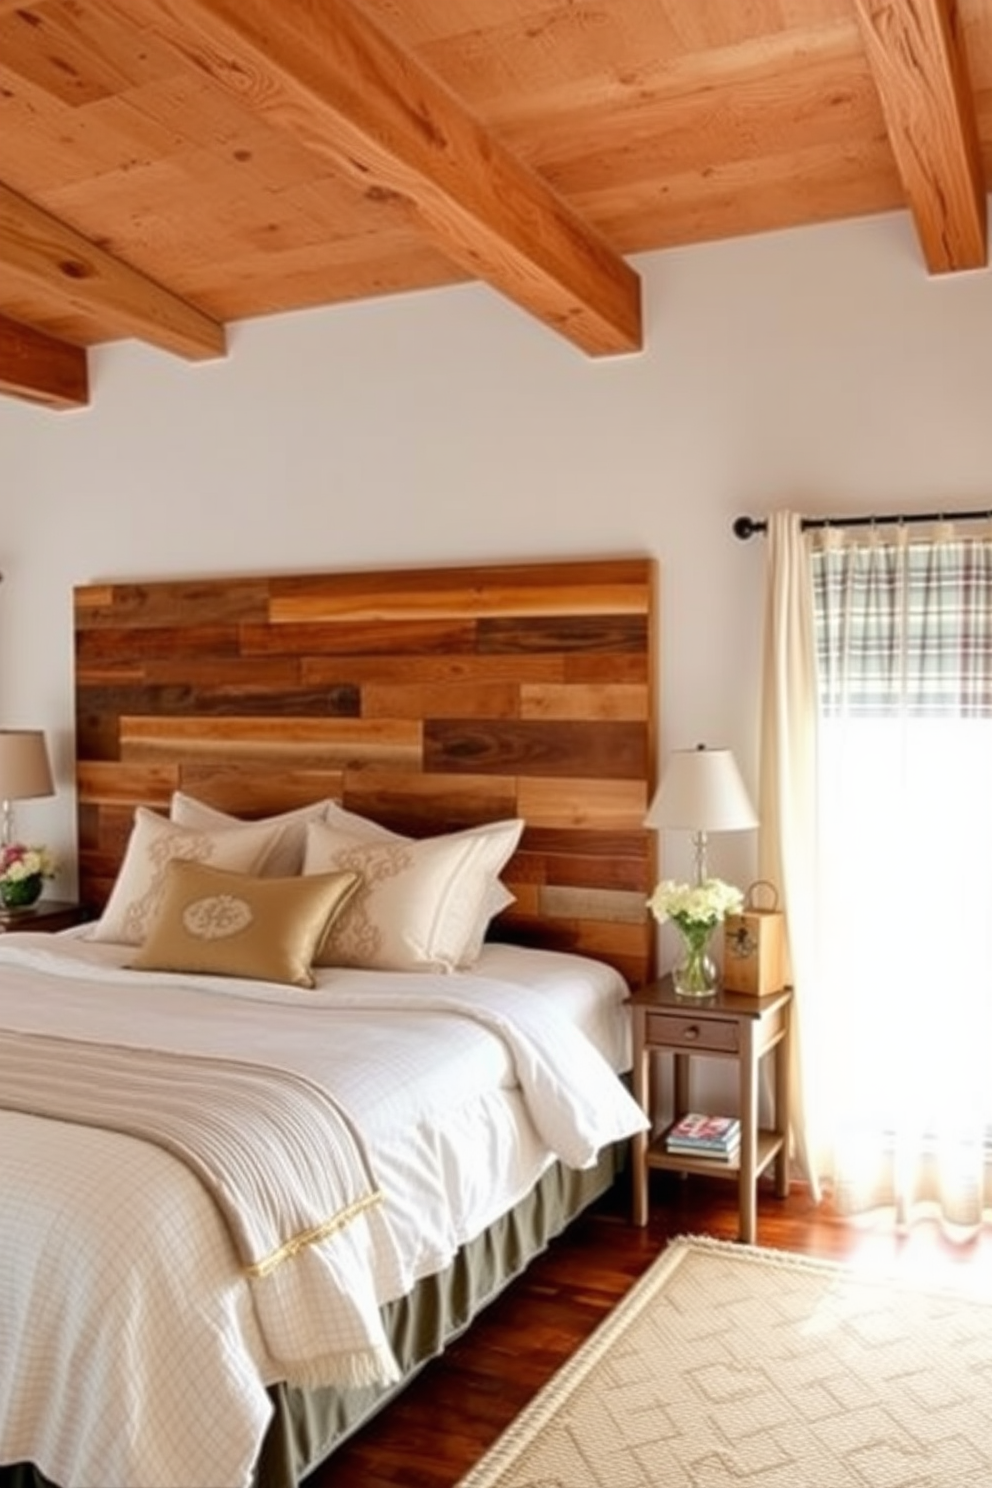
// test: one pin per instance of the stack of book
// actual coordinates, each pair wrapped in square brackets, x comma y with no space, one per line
[696,1135]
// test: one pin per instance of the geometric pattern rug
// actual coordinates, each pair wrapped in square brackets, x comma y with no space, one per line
[729,1365]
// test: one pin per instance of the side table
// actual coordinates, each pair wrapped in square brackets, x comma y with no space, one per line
[728,1025]
[47,914]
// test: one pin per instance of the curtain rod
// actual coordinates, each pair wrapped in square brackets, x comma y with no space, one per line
[745,527]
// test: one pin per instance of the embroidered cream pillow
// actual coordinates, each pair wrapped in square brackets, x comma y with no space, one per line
[498,896]
[232,924]
[335,815]
[289,829]
[153,844]
[419,903]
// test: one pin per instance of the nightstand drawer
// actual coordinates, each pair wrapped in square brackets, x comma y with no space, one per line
[720,1036]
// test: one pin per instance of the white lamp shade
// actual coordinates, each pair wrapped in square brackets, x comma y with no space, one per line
[24,765]
[702,791]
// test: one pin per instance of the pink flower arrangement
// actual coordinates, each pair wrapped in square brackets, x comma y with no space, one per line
[18,862]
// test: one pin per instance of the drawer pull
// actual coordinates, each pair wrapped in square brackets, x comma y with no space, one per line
[691,1033]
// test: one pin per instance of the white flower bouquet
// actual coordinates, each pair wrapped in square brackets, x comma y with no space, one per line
[691,907]
[696,910]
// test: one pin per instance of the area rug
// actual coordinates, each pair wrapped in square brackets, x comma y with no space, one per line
[728,1365]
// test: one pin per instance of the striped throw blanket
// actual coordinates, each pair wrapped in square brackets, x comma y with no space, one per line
[280,1159]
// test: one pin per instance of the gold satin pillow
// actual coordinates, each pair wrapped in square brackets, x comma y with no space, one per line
[231,924]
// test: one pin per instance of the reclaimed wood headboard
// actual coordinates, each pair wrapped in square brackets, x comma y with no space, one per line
[426,699]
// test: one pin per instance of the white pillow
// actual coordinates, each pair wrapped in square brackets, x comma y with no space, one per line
[359,826]
[285,857]
[497,898]
[153,844]
[419,903]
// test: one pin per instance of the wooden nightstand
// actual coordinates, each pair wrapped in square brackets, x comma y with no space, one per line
[728,1025]
[47,914]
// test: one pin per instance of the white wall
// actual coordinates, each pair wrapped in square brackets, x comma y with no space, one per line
[818,369]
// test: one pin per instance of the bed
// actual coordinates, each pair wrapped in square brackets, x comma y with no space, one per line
[335,758]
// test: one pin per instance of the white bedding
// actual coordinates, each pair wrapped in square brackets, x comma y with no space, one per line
[121,1283]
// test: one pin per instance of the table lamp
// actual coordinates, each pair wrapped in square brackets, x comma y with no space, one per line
[25,771]
[702,792]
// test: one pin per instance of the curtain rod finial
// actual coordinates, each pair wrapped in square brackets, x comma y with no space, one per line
[745,527]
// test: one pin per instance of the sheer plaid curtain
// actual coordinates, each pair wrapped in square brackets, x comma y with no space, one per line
[897,1010]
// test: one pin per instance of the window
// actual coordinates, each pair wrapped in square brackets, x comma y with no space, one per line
[903,634]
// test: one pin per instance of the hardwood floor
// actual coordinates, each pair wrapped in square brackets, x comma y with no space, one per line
[457,1407]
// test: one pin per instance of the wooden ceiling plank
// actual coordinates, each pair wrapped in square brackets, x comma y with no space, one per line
[330,77]
[39,249]
[42,369]
[918,63]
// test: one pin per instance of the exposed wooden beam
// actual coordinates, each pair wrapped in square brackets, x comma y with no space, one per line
[329,76]
[42,369]
[39,249]
[919,67]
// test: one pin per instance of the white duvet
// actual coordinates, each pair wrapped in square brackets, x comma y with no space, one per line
[130,1352]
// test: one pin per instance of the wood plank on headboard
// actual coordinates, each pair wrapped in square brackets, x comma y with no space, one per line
[428,699]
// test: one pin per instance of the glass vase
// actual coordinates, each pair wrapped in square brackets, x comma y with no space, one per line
[21,893]
[695,973]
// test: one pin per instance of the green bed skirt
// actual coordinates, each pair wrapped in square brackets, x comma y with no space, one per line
[308,1425]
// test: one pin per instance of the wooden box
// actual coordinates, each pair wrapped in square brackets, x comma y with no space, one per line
[754,945]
